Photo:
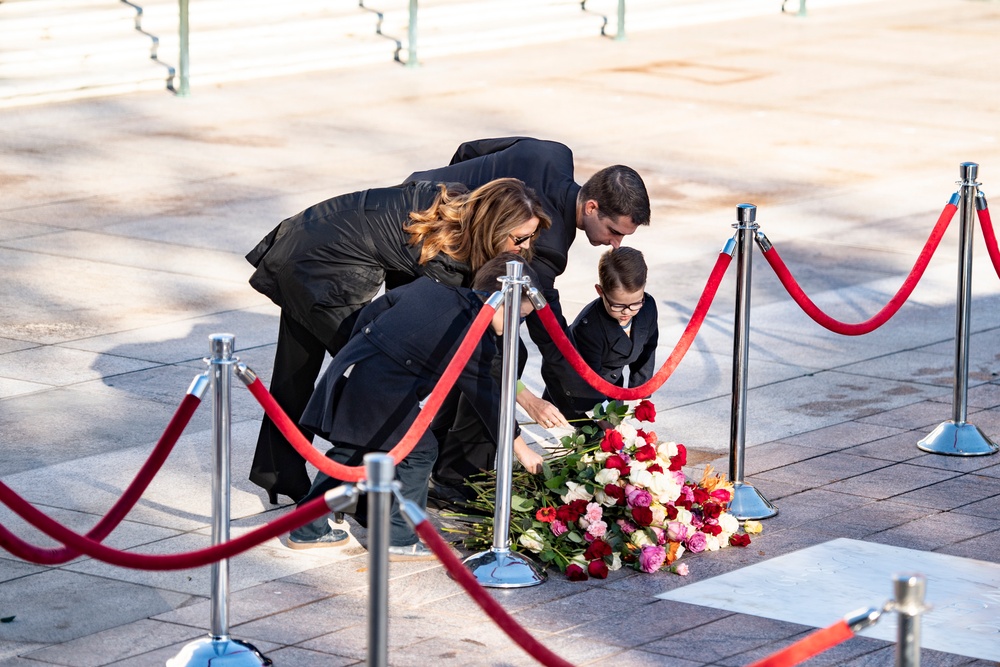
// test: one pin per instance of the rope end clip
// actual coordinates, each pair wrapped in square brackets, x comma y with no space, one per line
[247,376]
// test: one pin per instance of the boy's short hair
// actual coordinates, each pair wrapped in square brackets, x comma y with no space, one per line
[488,276]
[623,268]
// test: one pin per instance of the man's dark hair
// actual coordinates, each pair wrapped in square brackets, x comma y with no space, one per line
[488,276]
[618,190]
[623,268]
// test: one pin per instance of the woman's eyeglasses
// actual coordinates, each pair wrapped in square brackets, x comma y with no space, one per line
[518,240]
[623,307]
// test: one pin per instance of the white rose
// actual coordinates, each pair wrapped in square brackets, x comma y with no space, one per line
[616,562]
[604,498]
[640,477]
[532,541]
[628,433]
[640,539]
[712,543]
[607,476]
[684,516]
[728,523]
[577,492]
[666,450]
[664,488]
[659,514]
[601,456]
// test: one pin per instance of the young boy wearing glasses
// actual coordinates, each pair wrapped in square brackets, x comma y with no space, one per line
[616,330]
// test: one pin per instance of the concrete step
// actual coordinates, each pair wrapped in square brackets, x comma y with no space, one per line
[61,49]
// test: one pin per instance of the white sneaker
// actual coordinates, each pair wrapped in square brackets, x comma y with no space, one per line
[410,552]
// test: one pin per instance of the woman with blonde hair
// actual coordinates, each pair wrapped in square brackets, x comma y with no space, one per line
[324,264]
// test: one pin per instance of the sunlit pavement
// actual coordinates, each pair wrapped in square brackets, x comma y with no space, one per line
[123,225]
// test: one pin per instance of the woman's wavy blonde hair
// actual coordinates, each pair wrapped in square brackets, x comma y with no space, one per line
[474,227]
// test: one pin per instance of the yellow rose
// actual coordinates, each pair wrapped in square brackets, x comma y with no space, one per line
[752,527]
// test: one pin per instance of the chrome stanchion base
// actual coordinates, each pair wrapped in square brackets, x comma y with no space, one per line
[748,503]
[504,569]
[214,651]
[954,439]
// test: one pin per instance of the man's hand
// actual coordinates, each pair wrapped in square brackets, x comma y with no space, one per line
[541,411]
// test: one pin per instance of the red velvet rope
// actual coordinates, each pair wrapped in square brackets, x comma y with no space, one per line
[990,237]
[110,521]
[310,511]
[890,309]
[466,580]
[808,646]
[687,338]
[339,471]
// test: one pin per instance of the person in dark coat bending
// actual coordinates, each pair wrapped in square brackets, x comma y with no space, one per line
[371,393]
[324,264]
[616,330]
[612,204]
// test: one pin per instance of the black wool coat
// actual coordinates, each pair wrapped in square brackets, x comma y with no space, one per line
[325,263]
[607,349]
[400,347]
[547,168]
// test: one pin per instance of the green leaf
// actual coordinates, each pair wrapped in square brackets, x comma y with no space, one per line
[555,482]
[520,504]
[7,619]
[548,555]
[574,536]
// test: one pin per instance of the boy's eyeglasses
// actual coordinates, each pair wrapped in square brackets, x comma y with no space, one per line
[623,307]
[518,240]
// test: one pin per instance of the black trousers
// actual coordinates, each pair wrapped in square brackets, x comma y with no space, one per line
[277,467]
[413,473]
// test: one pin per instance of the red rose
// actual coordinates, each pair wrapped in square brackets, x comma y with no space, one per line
[614,491]
[645,412]
[598,569]
[711,510]
[572,512]
[711,529]
[642,515]
[614,461]
[680,459]
[645,453]
[597,549]
[700,495]
[575,573]
[739,539]
[546,514]
[656,467]
[649,437]
[671,512]
[612,441]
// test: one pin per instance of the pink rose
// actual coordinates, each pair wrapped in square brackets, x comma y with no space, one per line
[627,526]
[677,531]
[640,498]
[597,528]
[652,558]
[681,569]
[661,537]
[594,512]
[558,527]
[696,543]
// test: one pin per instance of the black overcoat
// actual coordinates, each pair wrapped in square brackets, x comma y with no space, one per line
[400,347]
[608,350]
[325,263]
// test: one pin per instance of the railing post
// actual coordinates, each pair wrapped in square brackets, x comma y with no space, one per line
[957,437]
[411,38]
[620,35]
[909,590]
[184,88]
[380,471]
[219,647]
[747,502]
[500,567]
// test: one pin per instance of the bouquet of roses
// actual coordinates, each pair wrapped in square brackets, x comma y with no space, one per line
[616,496]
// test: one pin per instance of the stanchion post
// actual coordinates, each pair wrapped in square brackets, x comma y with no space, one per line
[909,590]
[411,37]
[747,502]
[184,89]
[380,471]
[620,35]
[500,567]
[957,437]
[219,647]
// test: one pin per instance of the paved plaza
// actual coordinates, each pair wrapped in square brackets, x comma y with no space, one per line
[123,225]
